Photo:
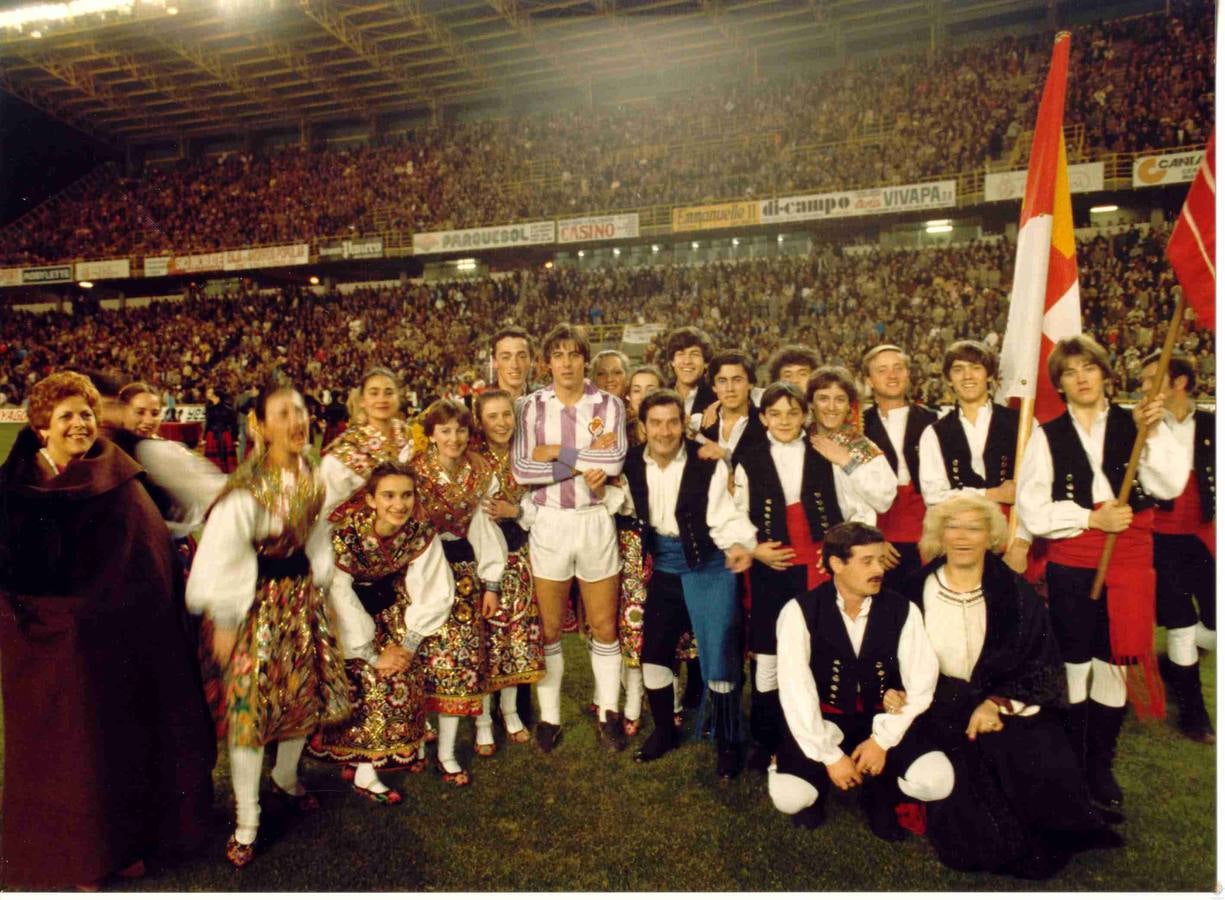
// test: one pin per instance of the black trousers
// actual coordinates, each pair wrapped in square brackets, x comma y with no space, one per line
[1082,625]
[855,730]
[770,591]
[1185,570]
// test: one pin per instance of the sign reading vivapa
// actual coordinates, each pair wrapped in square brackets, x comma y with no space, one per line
[866,202]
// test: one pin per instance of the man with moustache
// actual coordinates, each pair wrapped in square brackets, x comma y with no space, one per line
[895,425]
[841,647]
[972,448]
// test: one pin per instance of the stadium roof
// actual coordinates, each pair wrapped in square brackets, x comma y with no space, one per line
[152,70]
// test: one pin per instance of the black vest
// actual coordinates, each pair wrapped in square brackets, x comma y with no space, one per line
[917,420]
[754,434]
[842,678]
[691,503]
[1074,473]
[1204,461]
[998,454]
[768,506]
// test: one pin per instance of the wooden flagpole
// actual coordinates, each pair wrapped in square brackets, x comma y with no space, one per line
[1163,366]
[1025,428]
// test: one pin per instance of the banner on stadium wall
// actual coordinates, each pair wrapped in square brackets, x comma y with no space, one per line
[267,257]
[363,248]
[10,277]
[865,202]
[1083,178]
[520,235]
[46,274]
[597,228]
[641,334]
[100,269]
[157,266]
[1165,168]
[13,416]
[198,262]
[331,251]
[716,215]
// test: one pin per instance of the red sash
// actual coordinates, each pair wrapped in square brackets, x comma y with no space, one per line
[1187,517]
[807,551]
[903,522]
[1131,601]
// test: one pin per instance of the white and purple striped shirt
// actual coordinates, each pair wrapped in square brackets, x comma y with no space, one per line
[545,420]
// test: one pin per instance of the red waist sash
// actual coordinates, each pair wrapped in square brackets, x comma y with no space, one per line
[1187,517]
[902,523]
[807,551]
[1131,603]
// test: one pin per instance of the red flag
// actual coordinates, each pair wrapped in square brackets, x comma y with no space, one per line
[1045,304]
[1192,247]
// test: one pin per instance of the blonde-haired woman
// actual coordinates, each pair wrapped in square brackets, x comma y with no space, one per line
[1019,804]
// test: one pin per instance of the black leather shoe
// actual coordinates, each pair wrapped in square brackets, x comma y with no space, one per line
[612,732]
[661,741]
[548,736]
[810,818]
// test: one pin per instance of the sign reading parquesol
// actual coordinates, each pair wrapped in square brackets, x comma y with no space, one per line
[597,228]
[520,235]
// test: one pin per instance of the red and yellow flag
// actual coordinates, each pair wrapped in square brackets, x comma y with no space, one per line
[1045,304]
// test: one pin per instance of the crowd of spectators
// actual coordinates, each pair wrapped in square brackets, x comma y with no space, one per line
[435,335]
[1137,84]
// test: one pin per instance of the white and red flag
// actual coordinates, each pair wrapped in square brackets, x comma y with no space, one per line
[1045,305]
[1192,247]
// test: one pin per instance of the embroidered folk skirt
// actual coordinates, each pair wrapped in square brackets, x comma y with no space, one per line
[514,639]
[388,723]
[286,676]
[456,667]
[636,567]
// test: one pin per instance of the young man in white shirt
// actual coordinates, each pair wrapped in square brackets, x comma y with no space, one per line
[571,438]
[841,647]
[1184,545]
[1067,489]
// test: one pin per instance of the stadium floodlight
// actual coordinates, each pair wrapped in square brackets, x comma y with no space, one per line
[582,253]
[616,251]
[548,264]
[735,242]
[695,245]
[85,284]
[930,222]
[655,248]
[314,279]
[780,238]
[939,229]
[1102,210]
[468,264]
[59,12]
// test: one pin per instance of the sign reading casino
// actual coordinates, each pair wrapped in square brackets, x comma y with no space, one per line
[521,235]
[597,228]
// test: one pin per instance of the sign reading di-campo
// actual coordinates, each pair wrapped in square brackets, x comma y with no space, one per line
[866,202]
[520,235]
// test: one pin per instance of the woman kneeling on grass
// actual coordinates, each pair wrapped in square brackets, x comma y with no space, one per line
[264,561]
[1019,803]
[392,589]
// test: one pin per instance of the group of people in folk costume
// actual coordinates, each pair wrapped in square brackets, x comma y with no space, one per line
[856,557]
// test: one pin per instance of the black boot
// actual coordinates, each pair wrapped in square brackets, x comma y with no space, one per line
[724,709]
[1188,693]
[1075,719]
[879,801]
[1102,739]
[692,698]
[765,724]
[523,705]
[663,738]
[812,816]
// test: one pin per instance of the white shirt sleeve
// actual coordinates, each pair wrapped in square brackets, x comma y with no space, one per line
[875,482]
[728,525]
[797,690]
[1042,516]
[191,480]
[920,669]
[319,551]
[431,588]
[354,626]
[224,571]
[341,483]
[1164,465]
[488,543]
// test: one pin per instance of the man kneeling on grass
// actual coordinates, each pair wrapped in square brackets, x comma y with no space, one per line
[841,646]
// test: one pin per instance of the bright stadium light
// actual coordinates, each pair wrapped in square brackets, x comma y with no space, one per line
[59,12]
[655,248]
[1102,210]
[695,245]
[939,229]
[616,251]
[466,265]
[930,222]
[548,264]
[780,238]
[85,284]
[582,253]
[735,242]
[314,279]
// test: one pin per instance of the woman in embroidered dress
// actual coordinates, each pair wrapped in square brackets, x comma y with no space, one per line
[1020,804]
[392,589]
[261,569]
[453,482]
[515,645]
[375,433]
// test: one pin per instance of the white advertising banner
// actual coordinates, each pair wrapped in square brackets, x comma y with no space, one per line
[100,269]
[14,415]
[198,262]
[641,334]
[157,266]
[1083,178]
[597,228]
[267,257]
[521,235]
[10,277]
[865,202]
[1166,168]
